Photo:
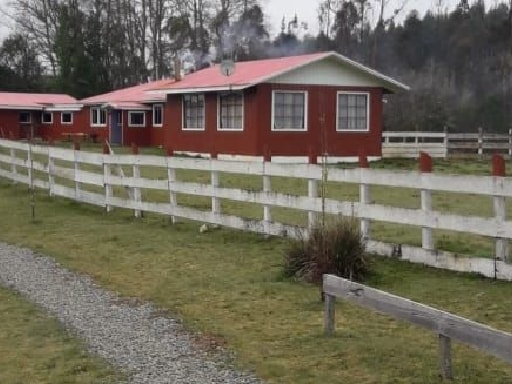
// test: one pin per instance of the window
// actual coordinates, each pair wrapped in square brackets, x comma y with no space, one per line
[231,112]
[24,117]
[136,118]
[47,117]
[158,115]
[289,111]
[193,112]
[66,117]
[353,112]
[98,117]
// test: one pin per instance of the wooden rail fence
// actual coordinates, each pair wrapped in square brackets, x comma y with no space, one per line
[67,173]
[443,144]
[446,325]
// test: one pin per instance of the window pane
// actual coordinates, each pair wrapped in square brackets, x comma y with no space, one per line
[289,110]
[193,111]
[66,117]
[352,112]
[231,107]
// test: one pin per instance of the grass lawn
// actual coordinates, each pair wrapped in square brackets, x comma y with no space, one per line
[35,349]
[229,285]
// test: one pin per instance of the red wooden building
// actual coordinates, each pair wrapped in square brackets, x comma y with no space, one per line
[126,116]
[290,107]
[40,115]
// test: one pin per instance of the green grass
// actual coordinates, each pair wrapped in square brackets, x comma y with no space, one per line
[35,349]
[229,284]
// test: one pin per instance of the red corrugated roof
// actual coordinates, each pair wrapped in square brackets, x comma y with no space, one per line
[33,100]
[246,73]
[254,72]
[136,94]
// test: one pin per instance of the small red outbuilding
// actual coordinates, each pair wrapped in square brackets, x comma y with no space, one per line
[40,115]
[289,107]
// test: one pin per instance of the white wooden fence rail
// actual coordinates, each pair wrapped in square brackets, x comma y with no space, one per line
[14,159]
[443,144]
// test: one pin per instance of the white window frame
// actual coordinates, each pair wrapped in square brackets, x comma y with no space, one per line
[66,122]
[367,94]
[47,113]
[130,113]
[305,129]
[219,112]
[183,113]
[29,117]
[97,111]
[161,106]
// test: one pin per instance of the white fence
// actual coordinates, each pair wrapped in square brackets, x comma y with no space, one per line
[43,167]
[442,144]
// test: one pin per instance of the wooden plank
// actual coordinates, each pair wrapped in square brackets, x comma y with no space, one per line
[61,190]
[413,134]
[463,136]
[13,161]
[138,182]
[143,160]
[87,177]
[62,154]
[65,173]
[445,357]
[235,222]
[40,150]
[42,184]
[11,144]
[329,314]
[16,177]
[91,198]
[89,158]
[497,343]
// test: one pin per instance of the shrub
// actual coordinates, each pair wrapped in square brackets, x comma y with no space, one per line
[335,247]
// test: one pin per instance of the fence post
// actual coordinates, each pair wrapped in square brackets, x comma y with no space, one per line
[499,203]
[445,357]
[137,196]
[267,188]
[427,241]
[51,165]
[312,191]
[364,197]
[109,192]
[329,314]
[30,164]
[445,142]
[216,208]
[510,142]
[171,176]
[480,141]
[76,148]
[14,170]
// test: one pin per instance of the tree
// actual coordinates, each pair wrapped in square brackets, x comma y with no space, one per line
[20,68]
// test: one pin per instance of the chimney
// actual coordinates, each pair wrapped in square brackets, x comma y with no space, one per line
[177,69]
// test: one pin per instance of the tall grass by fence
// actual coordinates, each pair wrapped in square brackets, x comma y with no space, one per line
[444,144]
[153,186]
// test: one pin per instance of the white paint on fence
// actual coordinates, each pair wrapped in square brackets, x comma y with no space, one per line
[441,144]
[68,168]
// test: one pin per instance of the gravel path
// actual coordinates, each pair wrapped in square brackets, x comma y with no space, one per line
[151,348]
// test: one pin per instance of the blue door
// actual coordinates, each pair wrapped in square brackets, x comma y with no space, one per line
[116,126]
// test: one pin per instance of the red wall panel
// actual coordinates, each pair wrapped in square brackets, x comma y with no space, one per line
[257,136]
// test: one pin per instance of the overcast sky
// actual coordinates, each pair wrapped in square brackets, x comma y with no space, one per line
[306,11]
